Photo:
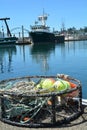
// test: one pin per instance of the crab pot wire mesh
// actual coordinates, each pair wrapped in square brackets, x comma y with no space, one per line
[23,103]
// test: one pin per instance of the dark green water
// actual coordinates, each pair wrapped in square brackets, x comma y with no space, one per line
[67,58]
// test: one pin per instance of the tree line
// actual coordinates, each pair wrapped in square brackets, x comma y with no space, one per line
[73,30]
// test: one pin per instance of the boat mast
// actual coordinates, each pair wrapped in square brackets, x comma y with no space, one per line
[43,18]
[8,30]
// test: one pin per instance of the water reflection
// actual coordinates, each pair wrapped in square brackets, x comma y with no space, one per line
[49,59]
[6,54]
[40,54]
[76,45]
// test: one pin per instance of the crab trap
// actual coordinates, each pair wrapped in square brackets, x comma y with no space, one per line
[40,101]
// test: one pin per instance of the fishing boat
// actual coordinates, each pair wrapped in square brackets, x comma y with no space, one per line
[7,39]
[40,33]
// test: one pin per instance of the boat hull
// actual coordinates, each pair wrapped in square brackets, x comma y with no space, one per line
[46,37]
[8,41]
[59,38]
[42,37]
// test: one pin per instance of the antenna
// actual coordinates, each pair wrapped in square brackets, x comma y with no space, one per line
[43,18]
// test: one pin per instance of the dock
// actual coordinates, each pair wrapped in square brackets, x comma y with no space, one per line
[24,41]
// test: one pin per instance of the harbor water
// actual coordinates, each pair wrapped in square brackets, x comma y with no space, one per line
[50,59]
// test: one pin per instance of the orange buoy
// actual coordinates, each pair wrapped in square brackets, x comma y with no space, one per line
[49,102]
[26,118]
[72,85]
[74,93]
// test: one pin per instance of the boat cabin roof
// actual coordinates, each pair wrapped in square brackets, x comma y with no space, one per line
[36,27]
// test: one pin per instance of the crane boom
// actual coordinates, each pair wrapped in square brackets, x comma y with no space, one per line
[8,30]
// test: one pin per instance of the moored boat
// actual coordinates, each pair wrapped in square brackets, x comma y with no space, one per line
[7,39]
[59,38]
[40,33]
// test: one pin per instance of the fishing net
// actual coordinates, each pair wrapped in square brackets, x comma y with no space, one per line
[40,101]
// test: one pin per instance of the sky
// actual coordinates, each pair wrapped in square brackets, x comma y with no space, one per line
[71,13]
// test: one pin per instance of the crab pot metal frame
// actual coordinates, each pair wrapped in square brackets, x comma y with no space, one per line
[40,109]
